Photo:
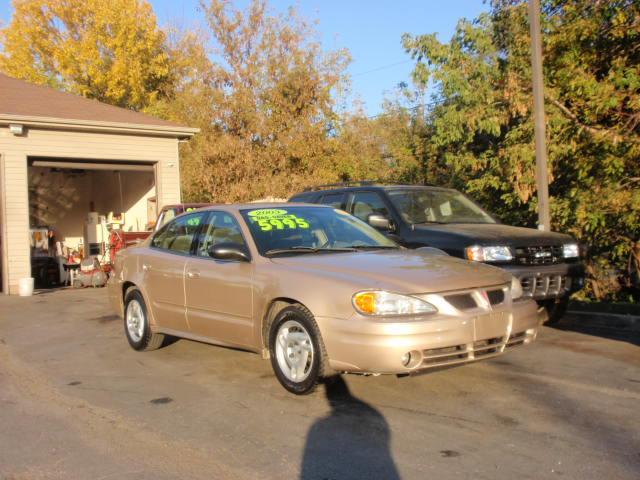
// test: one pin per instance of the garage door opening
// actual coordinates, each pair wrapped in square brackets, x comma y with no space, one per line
[74,205]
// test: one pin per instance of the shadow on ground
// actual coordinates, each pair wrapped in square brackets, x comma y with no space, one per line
[599,328]
[352,441]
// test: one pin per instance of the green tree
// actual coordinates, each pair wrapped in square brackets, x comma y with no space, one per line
[268,107]
[482,130]
[389,146]
[112,51]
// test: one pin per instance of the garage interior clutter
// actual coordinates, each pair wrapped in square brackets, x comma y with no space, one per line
[77,212]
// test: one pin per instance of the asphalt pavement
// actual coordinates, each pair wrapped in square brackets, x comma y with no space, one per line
[77,403]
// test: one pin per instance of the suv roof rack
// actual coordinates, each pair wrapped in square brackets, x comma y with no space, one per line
[359,183]
[354,183]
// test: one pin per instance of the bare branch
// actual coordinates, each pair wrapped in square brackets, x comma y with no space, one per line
[595,131]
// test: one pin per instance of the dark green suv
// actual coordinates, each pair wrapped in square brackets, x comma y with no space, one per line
[547,264]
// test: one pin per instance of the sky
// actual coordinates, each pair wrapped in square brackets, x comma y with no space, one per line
[370,29]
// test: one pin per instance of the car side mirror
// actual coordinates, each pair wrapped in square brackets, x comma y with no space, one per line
[229,251]
[380,222]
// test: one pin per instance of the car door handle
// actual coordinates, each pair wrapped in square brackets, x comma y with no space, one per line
[146,267]
[193,274]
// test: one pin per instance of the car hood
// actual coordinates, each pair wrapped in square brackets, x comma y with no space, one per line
[497,234]
[408,271]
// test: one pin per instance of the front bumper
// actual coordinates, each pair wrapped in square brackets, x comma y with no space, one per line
[367,345]
[546,282]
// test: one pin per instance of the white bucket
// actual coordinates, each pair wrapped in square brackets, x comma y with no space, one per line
[25,287]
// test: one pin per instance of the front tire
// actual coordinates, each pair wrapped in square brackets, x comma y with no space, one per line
[136,324]
[555,309]
[298,356]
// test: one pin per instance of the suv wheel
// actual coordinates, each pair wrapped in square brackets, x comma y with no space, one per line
[136,324]
[297,353]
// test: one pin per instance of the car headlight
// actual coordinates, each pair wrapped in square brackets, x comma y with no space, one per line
[477,253]
[387,303]
[516,288]
[570,250]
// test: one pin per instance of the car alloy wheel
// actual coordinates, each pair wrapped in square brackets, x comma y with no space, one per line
[294,351]
[298,356]
[135,320]
[136,323]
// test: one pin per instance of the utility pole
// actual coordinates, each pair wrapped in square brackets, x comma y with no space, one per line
[542,180]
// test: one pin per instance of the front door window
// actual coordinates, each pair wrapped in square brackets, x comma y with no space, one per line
[220,228]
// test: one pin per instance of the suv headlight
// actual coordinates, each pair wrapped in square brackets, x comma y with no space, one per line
[387,303]
[516,289]
[499,253]
[570,250]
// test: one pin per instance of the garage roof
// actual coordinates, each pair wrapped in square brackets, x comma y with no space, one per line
[23,102]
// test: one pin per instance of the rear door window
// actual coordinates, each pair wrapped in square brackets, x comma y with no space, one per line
[177,236]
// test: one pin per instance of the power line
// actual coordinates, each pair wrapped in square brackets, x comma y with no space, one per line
[384,67]
[415,107]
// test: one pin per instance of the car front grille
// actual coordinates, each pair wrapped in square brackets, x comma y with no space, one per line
[496,297]
[539,255]
[487,348]
[438,357]
[544,286]
[467,301]
[462,301]
[520,338]
[516,339]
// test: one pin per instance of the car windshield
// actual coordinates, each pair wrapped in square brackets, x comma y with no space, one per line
[303,230]
[418,206]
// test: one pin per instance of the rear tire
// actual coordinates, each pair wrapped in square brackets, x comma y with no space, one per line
[298,356]
[555,309]
[136,324]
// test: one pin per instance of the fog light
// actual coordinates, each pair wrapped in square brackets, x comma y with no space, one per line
[411,359]
[406,358]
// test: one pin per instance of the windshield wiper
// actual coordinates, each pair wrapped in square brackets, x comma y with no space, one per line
[301,249]
[431,221]
[373,247]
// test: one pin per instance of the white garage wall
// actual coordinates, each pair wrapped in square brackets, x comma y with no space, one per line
[71,144]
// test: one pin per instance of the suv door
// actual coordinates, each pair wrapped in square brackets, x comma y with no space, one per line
[219,292]
[336,200]
[363,204]
[163,268]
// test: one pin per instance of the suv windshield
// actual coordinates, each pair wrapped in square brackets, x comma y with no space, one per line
[300,230]
[437,206]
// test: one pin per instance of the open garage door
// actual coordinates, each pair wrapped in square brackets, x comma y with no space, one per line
[73,205]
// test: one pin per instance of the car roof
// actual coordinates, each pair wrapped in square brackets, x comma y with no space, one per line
[258,205]
[187,205]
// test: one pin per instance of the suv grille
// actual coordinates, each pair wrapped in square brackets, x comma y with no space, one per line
[545,285]
[540,255]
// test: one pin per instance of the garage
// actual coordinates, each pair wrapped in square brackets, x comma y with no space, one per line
[72,170]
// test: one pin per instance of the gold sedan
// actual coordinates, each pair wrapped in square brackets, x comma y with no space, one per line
[317,291]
